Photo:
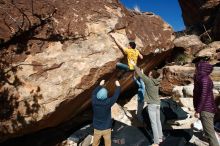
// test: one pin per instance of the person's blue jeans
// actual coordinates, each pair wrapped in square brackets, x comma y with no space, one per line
[122,66]
[140,107]
[140,94]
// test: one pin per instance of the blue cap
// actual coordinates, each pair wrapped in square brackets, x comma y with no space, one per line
[102,94]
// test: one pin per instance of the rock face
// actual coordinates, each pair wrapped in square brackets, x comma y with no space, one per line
[190,43]
[121,114]
[210,50]
[193,47]
[55,52]
[176,76]
[202,12]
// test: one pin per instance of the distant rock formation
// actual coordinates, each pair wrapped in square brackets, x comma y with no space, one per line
[200,13]
[177,76]
[53,53]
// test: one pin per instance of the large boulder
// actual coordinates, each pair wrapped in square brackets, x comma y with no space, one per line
[55,52]
[182,91]
[210,50]
[190,43]
[202,13]
[187,103]
[121,114]
[177,81]
[175,77]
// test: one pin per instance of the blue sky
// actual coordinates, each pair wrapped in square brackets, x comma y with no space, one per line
[168,10]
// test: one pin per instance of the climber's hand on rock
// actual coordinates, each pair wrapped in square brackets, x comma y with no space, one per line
[117,83]
[102,82]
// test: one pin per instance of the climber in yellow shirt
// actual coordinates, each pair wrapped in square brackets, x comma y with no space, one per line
[132,55]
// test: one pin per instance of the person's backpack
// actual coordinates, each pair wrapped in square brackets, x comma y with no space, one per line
[174,141]
[172,110]
[124,135]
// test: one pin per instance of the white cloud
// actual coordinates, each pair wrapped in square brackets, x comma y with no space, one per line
[137,8]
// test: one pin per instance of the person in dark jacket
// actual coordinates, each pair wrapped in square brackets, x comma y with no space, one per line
[102,120]
[203,99]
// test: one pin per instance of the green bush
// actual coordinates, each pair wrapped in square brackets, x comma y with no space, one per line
[181,59]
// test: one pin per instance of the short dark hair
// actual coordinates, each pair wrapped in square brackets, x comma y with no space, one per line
[132,45]
[155,74]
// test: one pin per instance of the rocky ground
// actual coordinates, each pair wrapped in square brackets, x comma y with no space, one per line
[54,53]
[126,114]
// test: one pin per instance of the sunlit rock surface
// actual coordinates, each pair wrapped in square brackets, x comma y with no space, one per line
[55,52]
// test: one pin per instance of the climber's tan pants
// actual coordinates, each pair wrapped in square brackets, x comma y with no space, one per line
[98,134]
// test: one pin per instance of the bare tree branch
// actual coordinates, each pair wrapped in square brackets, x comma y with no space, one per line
[22,12]
[207,32]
